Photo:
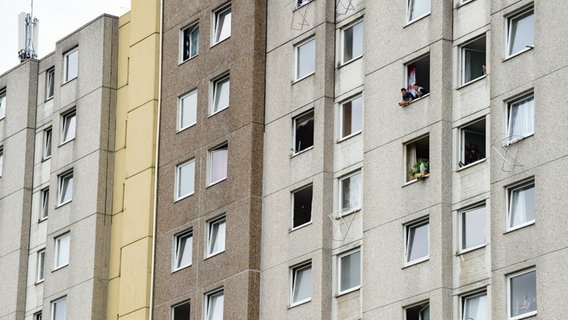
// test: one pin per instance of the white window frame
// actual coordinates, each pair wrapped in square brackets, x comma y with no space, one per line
[209,298]
[219,224]
[178,255]
[407,241]
[511,20]
[292,227]
[340,290]
[187,104]
[217,84]
[293,283]
[187,302]
[464,303]
[510,191]
[190,29]
[64,185]
[346,211]
[1,161]
[509,293]
[463,225]
[49,83]
[416,18]
[411,157]
[300,3]
[68,126]
[47,143]
[217,30]
[463,56]
[297,58]
[3,103]
[305,115]
[342,105]
[520,102]
[61,302]
[224,148]
[353,27]
[67,59]
[180,169]
[40,266]
[425,305]
[462,132]
[38,316]
[44,204]
[58,261]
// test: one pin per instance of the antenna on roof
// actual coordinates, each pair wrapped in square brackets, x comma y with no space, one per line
[28,28]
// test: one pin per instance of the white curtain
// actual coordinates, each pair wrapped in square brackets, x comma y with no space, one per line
[410,158]
[303,284]
[215,310]
[417,8]
[476,308]
[521,118]
[518,208]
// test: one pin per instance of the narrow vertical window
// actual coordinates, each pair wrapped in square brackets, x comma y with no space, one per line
[44,207]
[38,316]
[305,58]
[302,207]
[352,43]
[1,160]
[349,271]
[301,284]
[520,115]
[189,42]
[221,93]
[68,126]
[2,103]
[418,76]
[521,205]
[47,135]
[521,289]
[40,265]
[417,9]
[303,132]
[218,159]
[214,303]
[49,83]
[59,309]
[183,247]
[70,65]
[473,226]
[417,155]
[222,27]
[350,193]
[520,36]
[472,143]
[351,117]
[185,179]
[475,307]
[65,188]
[181,311]
[473,55]
[61,251]
[187,110]
[216,233]
[418,312]
[417,238]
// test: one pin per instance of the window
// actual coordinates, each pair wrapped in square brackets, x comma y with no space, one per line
[2,103]
[352,42]
[417,238]
[473,60]
[520,118]
[418,312]
[47,134]
[1,160]
[221,90]
[65,188]
[183,247]
[71,65]
[418,74]
[302,2]
[214,305]
[49,83]
[181,311]
[61,251]
[216,230]
[472,228]
[475,307]
[189,42]
[59,309]
[417,155]
[68,128]
[521,205]
[305,58]
[303,132]
[520,36]
[349,271]
[350,193]
[40,265]
[302,201]
[187,110]
[44,207]
[301,284]
[472,143]
[222,28]
[351,117]
[417,9]
[521,292]
[185,179]
[219,161]
[37,316]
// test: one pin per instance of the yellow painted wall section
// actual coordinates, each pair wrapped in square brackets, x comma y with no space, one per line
[135,150]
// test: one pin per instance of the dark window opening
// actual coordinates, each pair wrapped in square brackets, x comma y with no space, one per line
[417,158]
[302,206]
[473,60]
[181,312]
[304,132]
[473,143]
[419,312]
[418,73]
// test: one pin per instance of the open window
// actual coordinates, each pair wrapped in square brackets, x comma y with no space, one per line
[302,210]
[416,9]
[44,206]
[1,160]
[2,103]
[521,292]
[352,42]
[418,76]
[216,235]
[220,93]
[61,250]
[418,312]
[350,187]
[351,117]
[183,247]
[222,24]
[417,158]
[181,311]
[474,306]
[47,137]
[70,64]
[40,268]
[301,284]
[49,83]
[472,143]
[65,188]
[521,205]
[214,305]
[303,131]
[520,32]
[473,56]
[520,118]
[59,309]
[185,179]
[189,42]
[417,241]
[69,122]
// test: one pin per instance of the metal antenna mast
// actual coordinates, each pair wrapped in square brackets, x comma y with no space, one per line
[28,27]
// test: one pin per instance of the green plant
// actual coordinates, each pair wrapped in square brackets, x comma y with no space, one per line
[415,169]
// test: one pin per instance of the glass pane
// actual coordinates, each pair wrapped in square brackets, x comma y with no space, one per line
[350,271]
[47,143]
[357,40]
[302,284]
[44,203]
[223,25]
[473,228]
[217,236]
[194,40]
[474,62]
[522,208]
[417,8]
[475,308]
[66,189]
[40,265]
[417,242]
[352,117]
[186,177]
[219,164]
[215,306]
[60,309]
[523,293]
[306,59]
[304,132]
[521,33]
[71,65]
[521,118]
[188,110]
[2,104]
[221,94]
[69,127]
[49,84]
[348,44]
[351,193]
[62,250]
[184,250]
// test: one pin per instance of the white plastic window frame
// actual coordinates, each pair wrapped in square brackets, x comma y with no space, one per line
[178,180]
[510,277]
[342,119]
[462,225]
[293,282]
[216,34]
[63,183]
[49,83]
[3,99]
[67,56]
[516,102]
[466,298]
[408,19]
[54,305]
[40,266]
[217,221]
[177,305]
[68,119]
[47,143]
[343,39]
[44,204]
[462,132]
[341,195]
[193,27]
[211,164]
[510,21]
[208,303]
[463,50]
[509,194]
[340,274]
[57,264]
[297,58]
[183,108]
[295,128]
[407,244]
[177,254]
[216,85]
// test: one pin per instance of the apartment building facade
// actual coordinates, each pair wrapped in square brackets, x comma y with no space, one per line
[207,240]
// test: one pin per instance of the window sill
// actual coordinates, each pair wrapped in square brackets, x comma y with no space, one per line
[348,291]
[299,303]
[464,251]
[304,77]
[188,59]
[218,42]
[415,262]
[517,139]
[521,226]
[59,268]
[417,19]
[59,205]
[294,154]
[528,48]
[469,165]
[184,196]
[417,99]
[181,268]
[463,3]
[215,182]
[38,282]
[349,136]
[416,180]
[48,99]
[344,63]
[302,5]
[347,213]
[45,159]
[67,81]
[186,127]
[214,113]
[524,315]
[66,142]
[40,220]
[472,81]
[213,255]
[299,227]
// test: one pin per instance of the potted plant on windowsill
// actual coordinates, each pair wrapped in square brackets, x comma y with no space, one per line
[420,169]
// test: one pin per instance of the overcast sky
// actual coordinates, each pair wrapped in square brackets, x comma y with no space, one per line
[57,18]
